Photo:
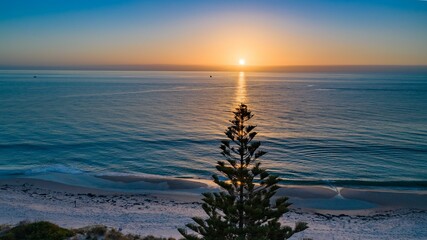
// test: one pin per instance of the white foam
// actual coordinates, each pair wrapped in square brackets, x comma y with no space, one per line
[56,168]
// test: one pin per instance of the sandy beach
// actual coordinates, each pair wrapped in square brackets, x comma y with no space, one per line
[348,214]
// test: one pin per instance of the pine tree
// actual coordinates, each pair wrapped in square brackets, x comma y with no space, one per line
[243,210]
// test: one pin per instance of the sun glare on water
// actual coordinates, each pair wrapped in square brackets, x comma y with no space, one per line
[242,61]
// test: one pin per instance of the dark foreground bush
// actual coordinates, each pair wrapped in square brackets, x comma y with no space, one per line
[102,232]
[50,231]
[37,231]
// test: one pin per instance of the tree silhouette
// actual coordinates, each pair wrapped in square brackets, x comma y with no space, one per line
[243,210]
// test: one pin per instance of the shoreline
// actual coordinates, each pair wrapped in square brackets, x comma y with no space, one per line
[308,197]
[343,212]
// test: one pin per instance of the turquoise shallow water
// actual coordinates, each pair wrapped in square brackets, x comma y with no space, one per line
[359,129]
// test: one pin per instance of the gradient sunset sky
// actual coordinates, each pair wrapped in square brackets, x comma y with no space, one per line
[287,32]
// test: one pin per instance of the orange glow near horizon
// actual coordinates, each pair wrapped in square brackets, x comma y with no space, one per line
[210,39]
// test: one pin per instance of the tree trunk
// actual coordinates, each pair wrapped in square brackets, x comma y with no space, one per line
[241,190]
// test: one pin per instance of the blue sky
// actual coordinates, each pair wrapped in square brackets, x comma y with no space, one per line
[288,32]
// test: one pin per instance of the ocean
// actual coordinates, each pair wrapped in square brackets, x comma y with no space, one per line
[341,129]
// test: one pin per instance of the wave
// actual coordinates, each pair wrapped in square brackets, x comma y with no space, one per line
[359,183]
[70,171]
[56,168]
[301,145]
[50,146]
[43,169]
[324,89]
[10,172]
[372,89]
[175,89]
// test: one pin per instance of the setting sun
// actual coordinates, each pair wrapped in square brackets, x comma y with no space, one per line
[242,61]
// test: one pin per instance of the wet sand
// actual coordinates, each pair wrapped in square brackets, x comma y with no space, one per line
[343,214]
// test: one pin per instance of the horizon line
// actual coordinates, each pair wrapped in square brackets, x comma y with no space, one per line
[225,68]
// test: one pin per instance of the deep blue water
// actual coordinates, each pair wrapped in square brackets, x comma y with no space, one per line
[351,129]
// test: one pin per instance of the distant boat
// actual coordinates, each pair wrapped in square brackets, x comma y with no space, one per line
[34,76]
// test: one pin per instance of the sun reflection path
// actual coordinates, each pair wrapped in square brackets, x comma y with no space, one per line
[241,89]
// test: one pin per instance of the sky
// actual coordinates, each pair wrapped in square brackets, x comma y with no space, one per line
[214,33]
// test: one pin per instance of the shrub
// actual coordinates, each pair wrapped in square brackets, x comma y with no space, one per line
[37,231]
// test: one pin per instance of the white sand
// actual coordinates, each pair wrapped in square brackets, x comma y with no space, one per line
[160,213]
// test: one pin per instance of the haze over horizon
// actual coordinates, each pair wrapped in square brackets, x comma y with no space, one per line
[193,33]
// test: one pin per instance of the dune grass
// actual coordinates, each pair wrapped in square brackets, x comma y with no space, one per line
[49,231]
[36,231]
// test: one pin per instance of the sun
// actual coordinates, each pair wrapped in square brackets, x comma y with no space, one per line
[242,61]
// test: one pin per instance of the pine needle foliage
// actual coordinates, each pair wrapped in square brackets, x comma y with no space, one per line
[244,209]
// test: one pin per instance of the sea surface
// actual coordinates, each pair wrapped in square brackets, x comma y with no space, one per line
[341,129]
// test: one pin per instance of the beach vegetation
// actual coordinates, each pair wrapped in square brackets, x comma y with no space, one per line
[48,231]
[244,208]
[4,228]
[36,231]
[102,232]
